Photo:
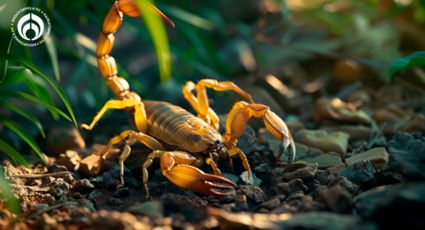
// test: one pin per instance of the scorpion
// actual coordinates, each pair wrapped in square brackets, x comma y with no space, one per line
[194,140]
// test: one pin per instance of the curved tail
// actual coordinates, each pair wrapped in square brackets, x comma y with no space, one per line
[111,23]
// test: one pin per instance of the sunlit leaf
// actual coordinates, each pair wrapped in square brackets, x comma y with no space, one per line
[159,36]
[189,17]
[413,60]
[55,87]
[12,153]
[25,136]
[7,195]
[51,49]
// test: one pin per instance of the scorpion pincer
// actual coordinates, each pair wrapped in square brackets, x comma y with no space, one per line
[183,142]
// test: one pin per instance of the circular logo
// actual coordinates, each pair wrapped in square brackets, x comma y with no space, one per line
[30,26]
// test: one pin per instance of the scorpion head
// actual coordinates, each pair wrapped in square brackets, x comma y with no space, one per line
[203,138]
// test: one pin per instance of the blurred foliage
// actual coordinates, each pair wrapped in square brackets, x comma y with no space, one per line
[416,59]
[7,195]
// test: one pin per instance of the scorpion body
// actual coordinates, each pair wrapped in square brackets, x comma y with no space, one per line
[196,139]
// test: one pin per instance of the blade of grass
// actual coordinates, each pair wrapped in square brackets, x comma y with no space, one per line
[13,153]
[189,17]
[31,98]
[51,49]
[159,36]
[25,136]
[55,87]
[7,195]
[25,114]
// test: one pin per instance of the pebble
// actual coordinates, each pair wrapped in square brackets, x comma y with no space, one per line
[60,139]
[307,172]
[114,201]
[83,185]
[153,209]
[291,187]
[271,204]
[359,172]
[253,193]
[378,156]
[312,155]
[324,220]
[70,159]
[334,109]
[323,140]
[345,183]
[121,192]
[115,220]
[336,198]
[336,168]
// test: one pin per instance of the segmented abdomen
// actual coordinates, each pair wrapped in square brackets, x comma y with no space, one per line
[169,123]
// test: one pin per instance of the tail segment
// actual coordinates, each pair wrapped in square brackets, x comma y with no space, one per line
[105,62]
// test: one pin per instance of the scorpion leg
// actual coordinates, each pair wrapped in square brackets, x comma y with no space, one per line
[176,166]
[236,123]
[213,165]
[200,101]
[112,104]
[129,136]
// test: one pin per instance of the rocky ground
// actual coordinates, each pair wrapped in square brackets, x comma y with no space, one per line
[360,165]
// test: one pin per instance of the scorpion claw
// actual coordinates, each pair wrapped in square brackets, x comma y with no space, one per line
[189,177]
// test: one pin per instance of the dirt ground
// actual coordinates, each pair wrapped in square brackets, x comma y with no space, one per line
[359,165]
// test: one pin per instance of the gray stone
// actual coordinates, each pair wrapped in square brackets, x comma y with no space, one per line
[359,173]
[153,209]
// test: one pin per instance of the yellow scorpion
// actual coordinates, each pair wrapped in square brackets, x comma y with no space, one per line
[193,140]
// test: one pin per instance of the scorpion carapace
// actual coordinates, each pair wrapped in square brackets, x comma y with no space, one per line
[158,123]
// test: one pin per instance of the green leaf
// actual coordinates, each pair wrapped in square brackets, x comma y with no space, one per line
[31,98]
[13,153]
[413,60]
[189,18]
[7,195]
[24,114]
[159,36]
[25,136]
[51,49]
[55,87]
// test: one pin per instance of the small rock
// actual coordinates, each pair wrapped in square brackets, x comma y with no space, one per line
[336,168]
[83,185]
[312,155]
[291,187]
[70,159]
[394,205]
[271,204]
[359,172]
[56,168]
[337,110]
[378,156]
[153,209]
[91,165]
[307,172]
[324,220]
[115,220]
[121,192]
[345,183]
[253,193]
[114,201]
[60,189]
[337,198]
[322,176]
[61,139]
[326,141]
[356,132]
